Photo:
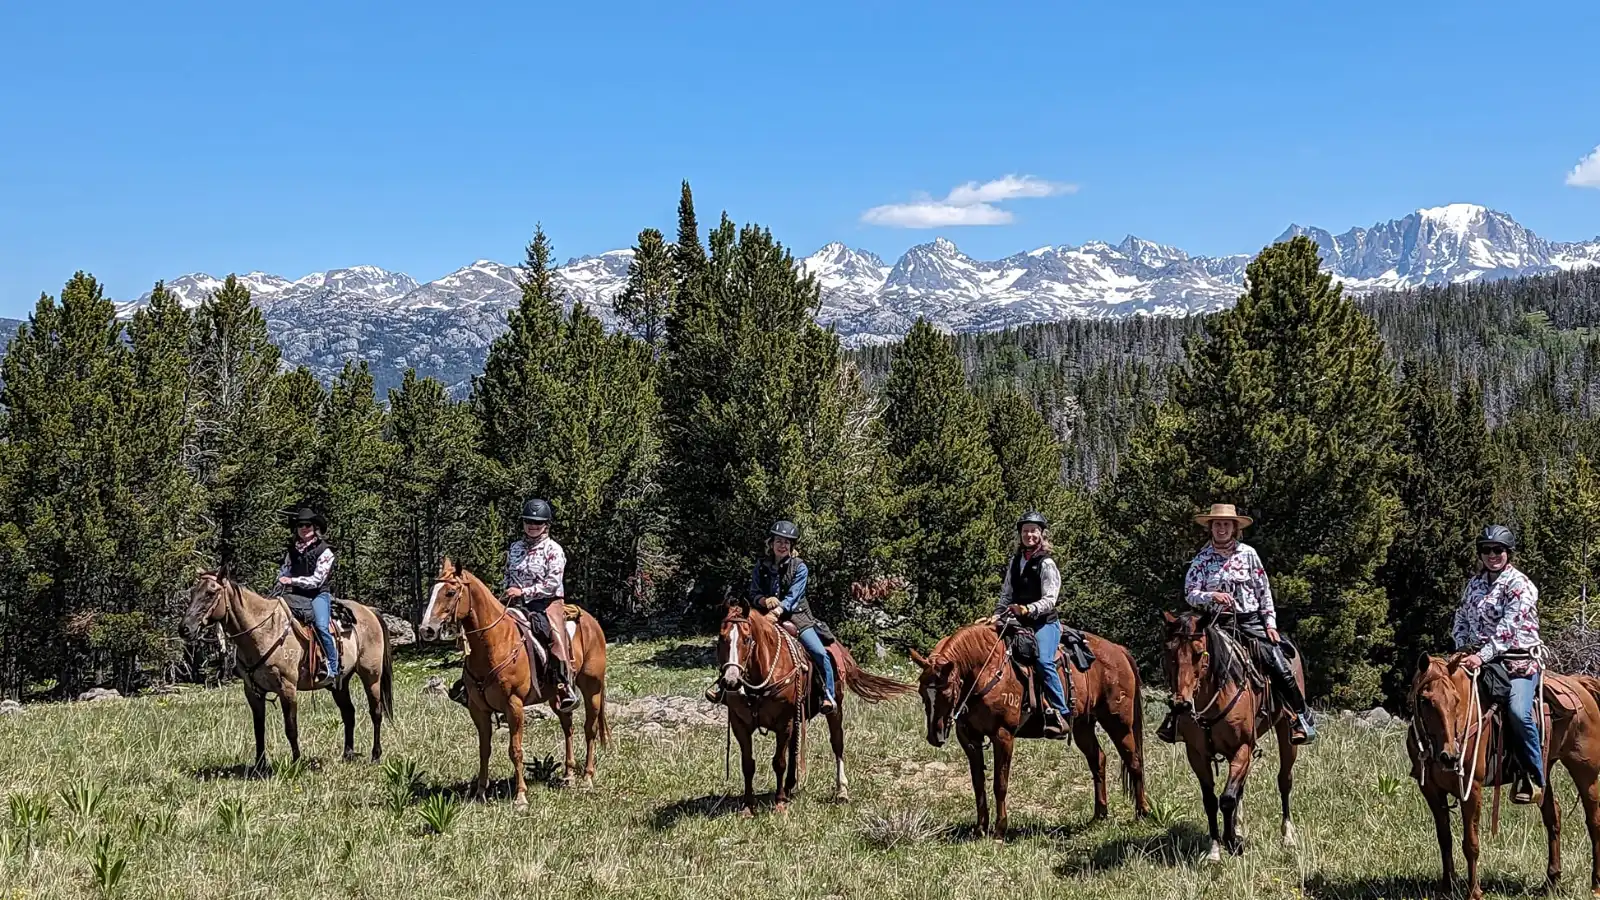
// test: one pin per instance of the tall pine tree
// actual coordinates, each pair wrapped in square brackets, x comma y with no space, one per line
[646,299]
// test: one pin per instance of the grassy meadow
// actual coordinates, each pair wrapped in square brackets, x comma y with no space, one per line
[148,797]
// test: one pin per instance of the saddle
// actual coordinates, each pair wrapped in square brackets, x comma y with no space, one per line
[534,628]
[341,620]
[1022,648]
[818,684]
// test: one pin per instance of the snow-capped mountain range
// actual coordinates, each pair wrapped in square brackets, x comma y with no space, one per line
[443,328]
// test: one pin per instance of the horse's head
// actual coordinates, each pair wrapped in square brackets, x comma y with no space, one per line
[208,602]
[737,642]
[1440,706]
[1187,660]
[449,603]
[940,689]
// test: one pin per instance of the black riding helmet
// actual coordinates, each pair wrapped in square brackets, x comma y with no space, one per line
[784,528]
[536,511]
[1498,536]
[1033,518]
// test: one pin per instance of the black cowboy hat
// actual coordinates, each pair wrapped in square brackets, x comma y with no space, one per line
[306,515]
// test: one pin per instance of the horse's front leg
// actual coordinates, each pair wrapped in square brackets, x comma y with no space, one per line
[972,744]
[1003,746]
[291,721]
[1439,805]
[783,776]
[747,764]
[1471,808]
[514,723]
[485,725]
[1232,797]
[1200,764]
[258,719]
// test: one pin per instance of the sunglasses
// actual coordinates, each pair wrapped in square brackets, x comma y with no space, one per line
[1491,550]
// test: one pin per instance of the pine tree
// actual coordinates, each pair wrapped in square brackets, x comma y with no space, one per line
[1029,456]
[646,299]
[949,485]
[63,375]
[352,461]
[235,367]
[515,395]
[1287,409]
[1563,544]
[1445,496]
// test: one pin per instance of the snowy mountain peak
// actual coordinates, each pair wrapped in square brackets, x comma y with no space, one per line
[1455,216]
[1150,254]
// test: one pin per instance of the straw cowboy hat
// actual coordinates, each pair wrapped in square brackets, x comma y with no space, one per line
[1220,511]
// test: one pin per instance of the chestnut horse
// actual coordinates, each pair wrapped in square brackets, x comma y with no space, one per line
[500,678]
[272,652]
[1449,743]
[767,679]
[968,683]
[1221,715]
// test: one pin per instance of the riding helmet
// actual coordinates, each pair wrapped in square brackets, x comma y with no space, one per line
[536,511]
[786,529]
[1032,518]
[1497,535]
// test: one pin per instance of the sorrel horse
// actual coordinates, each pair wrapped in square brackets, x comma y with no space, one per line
[768,685]
[273,653]
[1449,742]
[968,683]
[1221,717]
[500,677]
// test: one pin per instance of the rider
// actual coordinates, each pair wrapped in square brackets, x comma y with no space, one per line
[1227,577]
[534,576]
[1499,617]
[1032,584]
[307,571]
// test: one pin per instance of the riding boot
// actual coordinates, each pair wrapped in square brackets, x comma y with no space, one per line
[1168,732]
[458,691]
[566,690]
[1055,726]
[1304,730]
[714,692]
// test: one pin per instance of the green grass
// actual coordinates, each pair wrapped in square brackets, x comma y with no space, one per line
[157,784]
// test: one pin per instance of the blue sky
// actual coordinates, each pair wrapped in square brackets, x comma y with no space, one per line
[141,141]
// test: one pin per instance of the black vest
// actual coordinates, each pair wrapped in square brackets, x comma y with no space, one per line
[304,565]
[785,574]
[1027,585]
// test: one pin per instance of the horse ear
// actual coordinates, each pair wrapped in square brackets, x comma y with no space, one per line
[920,660]
[448,567]
[1171,619]
[1424,662]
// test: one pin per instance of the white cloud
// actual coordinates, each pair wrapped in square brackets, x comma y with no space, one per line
[968,204]
[1587,172]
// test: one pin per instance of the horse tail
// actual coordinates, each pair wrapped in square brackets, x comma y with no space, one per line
[386,678]
[869,687]
[1138,725]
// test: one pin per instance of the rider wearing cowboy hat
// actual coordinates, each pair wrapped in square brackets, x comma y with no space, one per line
[1028,594]
[307,571]
[1227,577]
[1497,625]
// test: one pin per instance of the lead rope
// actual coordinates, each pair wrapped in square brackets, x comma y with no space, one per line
[1474,714]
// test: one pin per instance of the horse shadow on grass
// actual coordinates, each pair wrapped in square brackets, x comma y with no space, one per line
[250,771]
[685,655]
[1399,887]
[1179,845]
[710,806]
[968,832]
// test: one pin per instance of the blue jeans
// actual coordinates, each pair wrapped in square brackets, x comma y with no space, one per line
[1524,727]
[819,656]
[322,612]
[1049,637]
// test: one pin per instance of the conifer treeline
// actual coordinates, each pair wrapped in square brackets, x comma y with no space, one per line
[134,453]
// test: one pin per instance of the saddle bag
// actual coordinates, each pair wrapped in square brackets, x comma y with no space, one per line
[1023,645]
[1494,684]
[538,623]
[1077,647]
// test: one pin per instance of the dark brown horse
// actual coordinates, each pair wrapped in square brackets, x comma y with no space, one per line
[968,683]
[273,655]
[500,678]
[768,685]
[1450,743]
[1221,715]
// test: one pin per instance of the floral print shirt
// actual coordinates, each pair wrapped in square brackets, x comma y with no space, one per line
[1498,613]
[537,568]
[1240,575]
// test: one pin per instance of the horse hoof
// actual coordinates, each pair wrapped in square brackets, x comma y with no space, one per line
[520,804]
[842,797]
[1289,837]
[781,809]
[350,756]
[1216,853]
[747,813]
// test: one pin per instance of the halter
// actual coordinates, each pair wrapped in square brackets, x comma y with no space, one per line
[516,646]
[786,642]
[233,595]
[1207,723]
[1473,724]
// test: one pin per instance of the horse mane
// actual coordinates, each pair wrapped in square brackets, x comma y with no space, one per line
[970,644]
[1227,661]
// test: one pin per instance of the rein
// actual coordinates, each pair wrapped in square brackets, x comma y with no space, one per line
[1471,731]
[236,598]
[973,693]
[516,648]
[1208,723]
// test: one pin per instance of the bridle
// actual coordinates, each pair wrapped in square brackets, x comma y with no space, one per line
[1471,731]
[458,583]
[785,643]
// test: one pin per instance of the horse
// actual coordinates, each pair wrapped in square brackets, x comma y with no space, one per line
[968,683]
[274,657]
[501,678]
[768,685]
[1221,715]
[1450,731]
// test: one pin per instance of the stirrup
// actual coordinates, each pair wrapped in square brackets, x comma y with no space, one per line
[1302,731]
[1167,733]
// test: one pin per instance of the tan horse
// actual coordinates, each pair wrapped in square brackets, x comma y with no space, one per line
[768,680]
[968,684]
[500,678]
[273,654]
[1222,716]
[1450,742]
